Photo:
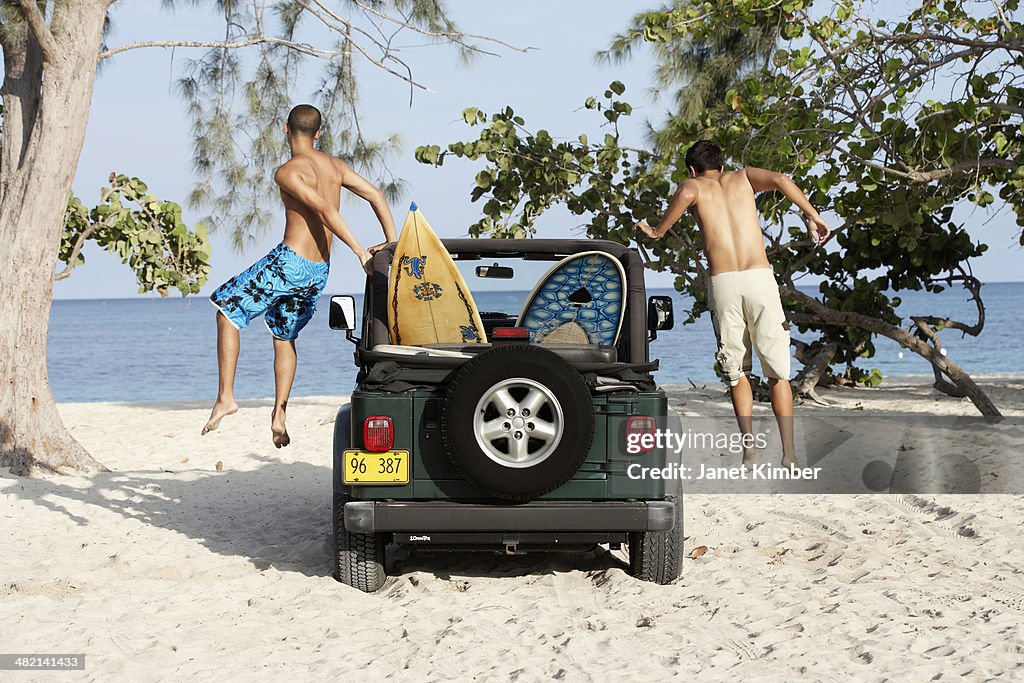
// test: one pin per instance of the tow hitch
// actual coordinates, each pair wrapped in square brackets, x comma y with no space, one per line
[512,545]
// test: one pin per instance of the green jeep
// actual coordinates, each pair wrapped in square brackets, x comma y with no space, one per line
[508,446]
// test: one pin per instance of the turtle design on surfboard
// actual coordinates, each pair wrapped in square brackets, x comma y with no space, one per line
[429,301]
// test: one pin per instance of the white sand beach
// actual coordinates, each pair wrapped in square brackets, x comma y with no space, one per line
[170,567]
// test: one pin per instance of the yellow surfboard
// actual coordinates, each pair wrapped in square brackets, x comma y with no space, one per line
[428,300]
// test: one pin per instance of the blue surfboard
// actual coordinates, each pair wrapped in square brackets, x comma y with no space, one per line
[585,289]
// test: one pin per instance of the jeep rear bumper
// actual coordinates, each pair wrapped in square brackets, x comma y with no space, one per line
[555,516]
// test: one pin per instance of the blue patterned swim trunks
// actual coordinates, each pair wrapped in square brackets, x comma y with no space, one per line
[282,285]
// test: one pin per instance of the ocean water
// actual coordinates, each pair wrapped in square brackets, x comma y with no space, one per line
[148,349]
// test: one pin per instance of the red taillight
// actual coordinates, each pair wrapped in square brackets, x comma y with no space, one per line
[638,426]
[510,333]
[378,433]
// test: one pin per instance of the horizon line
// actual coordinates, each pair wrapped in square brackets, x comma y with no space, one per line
[149,295]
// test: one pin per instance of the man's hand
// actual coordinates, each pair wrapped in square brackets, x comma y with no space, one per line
[817,228]
[377,247]
[365,258]
[647,230]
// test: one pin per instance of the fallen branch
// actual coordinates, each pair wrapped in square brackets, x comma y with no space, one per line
[815,366]
[956,374]
[942,383]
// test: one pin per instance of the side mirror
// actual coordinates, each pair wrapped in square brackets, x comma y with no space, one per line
[343,312]
[343,315]
[659,315]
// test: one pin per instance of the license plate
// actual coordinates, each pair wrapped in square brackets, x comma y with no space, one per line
[364,467]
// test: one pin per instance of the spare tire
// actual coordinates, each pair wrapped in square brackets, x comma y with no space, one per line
[517,421]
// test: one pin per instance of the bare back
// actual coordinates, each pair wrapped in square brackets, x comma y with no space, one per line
[304,231]
[728,219]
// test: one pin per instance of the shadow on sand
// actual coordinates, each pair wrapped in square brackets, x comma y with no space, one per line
[276,514]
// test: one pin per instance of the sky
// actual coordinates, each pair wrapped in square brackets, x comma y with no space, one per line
[138,125]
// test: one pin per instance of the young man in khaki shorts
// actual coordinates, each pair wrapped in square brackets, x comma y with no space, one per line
[743,295]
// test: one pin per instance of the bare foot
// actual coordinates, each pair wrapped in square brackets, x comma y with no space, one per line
[278,430]
[749,458]
[789,460]
[219,412]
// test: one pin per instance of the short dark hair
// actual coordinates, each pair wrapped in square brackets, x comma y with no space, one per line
[705,156]
[305,119]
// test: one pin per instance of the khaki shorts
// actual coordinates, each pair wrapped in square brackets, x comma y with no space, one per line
[747,314]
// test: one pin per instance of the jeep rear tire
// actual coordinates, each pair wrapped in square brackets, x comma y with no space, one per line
[358,558]
[517,421]
[656,556]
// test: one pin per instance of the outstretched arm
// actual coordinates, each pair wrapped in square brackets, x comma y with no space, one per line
[292,182]
[763,181]
[684,198]
[363,188]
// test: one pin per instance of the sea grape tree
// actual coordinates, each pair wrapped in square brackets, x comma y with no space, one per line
[147,234]
[895,126]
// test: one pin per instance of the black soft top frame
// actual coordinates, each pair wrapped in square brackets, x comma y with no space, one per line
[632,347]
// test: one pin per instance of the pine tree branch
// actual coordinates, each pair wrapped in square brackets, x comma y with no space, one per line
[454,36]
[346,28]
[304,48]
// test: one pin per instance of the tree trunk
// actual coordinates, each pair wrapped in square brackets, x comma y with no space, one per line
[956,374]
[46,108]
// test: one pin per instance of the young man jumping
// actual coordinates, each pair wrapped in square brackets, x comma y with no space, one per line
[742,294]
[285,285]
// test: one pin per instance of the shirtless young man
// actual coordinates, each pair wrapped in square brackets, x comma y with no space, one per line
[285,285]
[743,295]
